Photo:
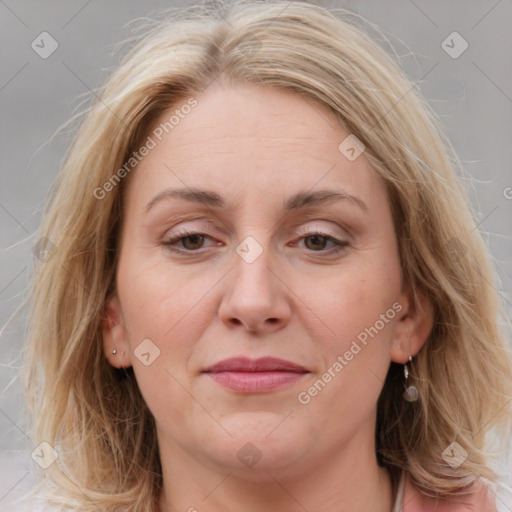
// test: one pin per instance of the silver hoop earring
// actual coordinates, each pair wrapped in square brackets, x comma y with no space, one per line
[114,351]
[411,393]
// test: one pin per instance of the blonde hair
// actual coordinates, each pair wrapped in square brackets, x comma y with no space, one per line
[94,414]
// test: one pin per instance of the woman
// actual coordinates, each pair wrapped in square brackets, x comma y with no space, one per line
[262,287]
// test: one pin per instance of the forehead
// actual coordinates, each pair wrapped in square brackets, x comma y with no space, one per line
[248,140]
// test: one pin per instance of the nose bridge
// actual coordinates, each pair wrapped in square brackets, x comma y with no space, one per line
[254,296]
[253,268]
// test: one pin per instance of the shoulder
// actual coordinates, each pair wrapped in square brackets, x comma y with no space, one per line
[482,498]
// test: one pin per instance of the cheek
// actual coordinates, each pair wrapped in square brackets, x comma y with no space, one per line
[359,311]
[172,308]
[355,298]
[159,299]
[359,306]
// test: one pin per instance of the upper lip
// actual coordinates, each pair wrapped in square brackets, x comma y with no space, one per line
[263,364]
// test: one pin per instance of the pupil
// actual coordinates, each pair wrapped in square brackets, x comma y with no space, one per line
[315,239]
[196,239]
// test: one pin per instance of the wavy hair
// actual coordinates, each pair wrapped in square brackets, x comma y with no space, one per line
[94,415]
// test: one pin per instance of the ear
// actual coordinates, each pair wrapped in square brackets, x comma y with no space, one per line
[115,335]
[414,324]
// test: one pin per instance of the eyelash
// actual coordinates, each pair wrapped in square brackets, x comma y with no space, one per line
[170,243]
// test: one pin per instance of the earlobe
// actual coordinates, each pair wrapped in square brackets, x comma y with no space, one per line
[115,341]
[413,327]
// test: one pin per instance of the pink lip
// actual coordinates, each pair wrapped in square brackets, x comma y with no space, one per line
[263,364]
[255,376]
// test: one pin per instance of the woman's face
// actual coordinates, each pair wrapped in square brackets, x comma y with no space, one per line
[249,233]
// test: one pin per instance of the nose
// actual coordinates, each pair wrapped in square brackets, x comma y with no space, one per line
[256,297]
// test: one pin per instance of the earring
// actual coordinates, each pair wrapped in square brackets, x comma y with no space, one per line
[411,393]
[114,351]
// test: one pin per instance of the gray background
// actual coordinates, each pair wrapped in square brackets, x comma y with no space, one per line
[472,94]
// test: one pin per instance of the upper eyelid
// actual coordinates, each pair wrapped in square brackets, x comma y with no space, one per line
[185,232]
[295,225]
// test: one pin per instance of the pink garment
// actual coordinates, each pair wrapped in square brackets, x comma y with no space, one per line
[409,499]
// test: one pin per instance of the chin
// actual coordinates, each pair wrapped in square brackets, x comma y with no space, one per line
[261,442]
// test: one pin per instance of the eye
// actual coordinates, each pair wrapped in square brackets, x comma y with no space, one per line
[317,242]
[191,241]
[188,241]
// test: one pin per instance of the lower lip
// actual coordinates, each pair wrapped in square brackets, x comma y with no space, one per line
[255,382]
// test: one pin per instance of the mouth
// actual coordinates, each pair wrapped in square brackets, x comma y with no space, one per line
[262,375]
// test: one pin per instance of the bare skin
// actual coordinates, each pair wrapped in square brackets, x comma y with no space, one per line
[303,299]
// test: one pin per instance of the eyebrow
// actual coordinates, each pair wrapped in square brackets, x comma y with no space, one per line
[297,201]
